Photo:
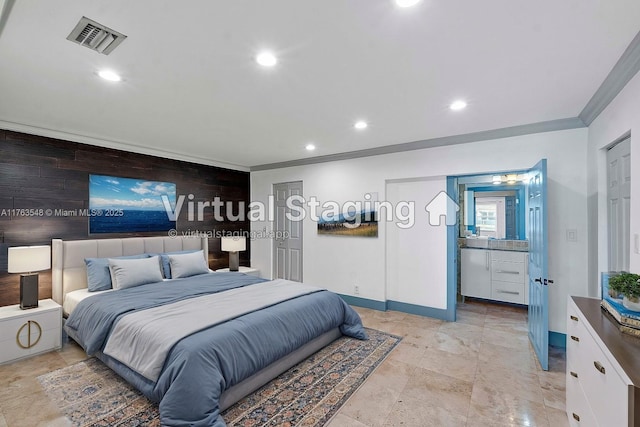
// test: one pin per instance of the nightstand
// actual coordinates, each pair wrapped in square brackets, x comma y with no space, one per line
[246,270]
[25,333]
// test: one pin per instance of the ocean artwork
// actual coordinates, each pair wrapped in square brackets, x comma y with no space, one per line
[124,205]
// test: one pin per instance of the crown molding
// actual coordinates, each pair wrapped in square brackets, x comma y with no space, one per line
[627,66]
[116,145]
[548,126]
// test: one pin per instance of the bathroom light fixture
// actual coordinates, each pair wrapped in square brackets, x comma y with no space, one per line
[497,179]
[266,59]
[310,147]
[458,105]
[360,124]
[512,178]
[109,75]
[407,3]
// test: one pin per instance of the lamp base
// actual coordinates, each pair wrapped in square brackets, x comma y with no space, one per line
[234,261]
[28,291]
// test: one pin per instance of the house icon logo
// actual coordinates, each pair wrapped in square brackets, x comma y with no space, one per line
[442,206]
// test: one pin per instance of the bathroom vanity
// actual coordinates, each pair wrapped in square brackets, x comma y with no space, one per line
[494,273]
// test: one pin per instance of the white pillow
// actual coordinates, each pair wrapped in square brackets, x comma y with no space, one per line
[185,265]
[127,273]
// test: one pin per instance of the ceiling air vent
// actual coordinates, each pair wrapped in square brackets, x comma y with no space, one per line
[96,36]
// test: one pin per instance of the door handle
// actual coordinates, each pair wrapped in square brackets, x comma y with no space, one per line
[538,280]
[548,282]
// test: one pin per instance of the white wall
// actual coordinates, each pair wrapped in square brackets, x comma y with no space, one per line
[619,118]
[337,263]
[416,265]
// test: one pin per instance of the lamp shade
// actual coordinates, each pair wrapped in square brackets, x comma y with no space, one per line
[27,259]
[234,244]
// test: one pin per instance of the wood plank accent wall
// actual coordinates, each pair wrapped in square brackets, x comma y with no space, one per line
[39,172]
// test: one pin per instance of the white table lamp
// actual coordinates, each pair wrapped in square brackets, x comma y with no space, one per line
[233,245]
[28,260]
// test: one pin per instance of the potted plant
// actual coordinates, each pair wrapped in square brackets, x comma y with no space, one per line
[627,284]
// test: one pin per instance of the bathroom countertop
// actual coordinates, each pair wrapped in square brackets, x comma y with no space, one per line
[495,244]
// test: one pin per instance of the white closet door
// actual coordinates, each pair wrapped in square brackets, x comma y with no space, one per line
[619,204]
[416,257]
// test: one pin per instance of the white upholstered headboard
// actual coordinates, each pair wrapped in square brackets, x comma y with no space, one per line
[68,268]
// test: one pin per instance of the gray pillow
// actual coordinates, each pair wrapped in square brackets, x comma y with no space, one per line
[98,274]
[127,273]
[185,265]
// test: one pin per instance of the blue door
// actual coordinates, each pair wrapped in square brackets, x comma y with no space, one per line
[538,268]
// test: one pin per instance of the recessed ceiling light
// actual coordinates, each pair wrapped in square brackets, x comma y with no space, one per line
[360,124]
[310,147]
[109,75]
[266,59]
[458,105]
[407,3]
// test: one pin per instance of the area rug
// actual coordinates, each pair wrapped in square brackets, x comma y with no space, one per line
[88,393]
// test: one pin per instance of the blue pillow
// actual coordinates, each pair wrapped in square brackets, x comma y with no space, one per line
[98,274]
[127,273]
[164,260]
[185,265]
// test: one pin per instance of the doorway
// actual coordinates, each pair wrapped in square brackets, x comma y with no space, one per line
[498,270]
[287,246]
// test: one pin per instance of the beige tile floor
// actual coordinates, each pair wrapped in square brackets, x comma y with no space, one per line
[479,371]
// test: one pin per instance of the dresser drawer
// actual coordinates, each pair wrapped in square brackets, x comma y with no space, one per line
[508,292]
[49,340]
[606,392]
[508,256]
[46,319]
[10,350]
[506,271]
[578,409]
[575,322]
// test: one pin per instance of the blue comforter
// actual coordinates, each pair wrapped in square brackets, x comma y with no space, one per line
[203,365]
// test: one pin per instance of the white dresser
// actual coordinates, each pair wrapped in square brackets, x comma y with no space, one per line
[494,274]
[603,368]
[24,333]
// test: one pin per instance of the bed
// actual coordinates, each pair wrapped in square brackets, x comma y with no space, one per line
[194,343]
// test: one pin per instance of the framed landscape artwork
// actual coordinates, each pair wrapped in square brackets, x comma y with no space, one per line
[125,205]
[360,224]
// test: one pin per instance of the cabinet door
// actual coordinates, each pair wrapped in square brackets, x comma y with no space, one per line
[475,273]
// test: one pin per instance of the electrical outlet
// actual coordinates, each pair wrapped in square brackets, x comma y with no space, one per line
[356,290]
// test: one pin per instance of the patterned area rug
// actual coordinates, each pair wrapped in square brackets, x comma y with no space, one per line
[309,394]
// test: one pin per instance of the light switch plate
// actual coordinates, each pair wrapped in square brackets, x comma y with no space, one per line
[572,235]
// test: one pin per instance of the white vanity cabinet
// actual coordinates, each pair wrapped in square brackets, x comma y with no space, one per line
[495,274]
[475,276]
